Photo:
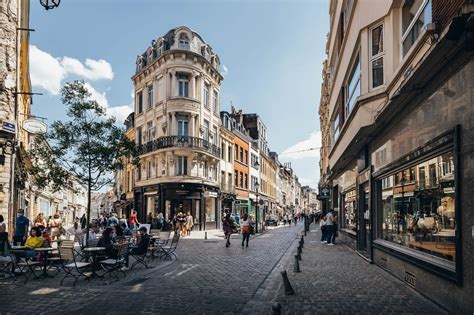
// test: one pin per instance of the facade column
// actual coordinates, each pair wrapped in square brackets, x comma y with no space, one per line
[191,125]
[175,123]
[171,128]
[173,84]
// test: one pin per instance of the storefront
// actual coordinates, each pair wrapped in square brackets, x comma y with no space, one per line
[417,207]
[165,201]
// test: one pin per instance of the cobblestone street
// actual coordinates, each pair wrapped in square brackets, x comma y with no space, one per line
[209,278]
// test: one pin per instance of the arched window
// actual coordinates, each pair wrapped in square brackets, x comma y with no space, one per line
[183,42]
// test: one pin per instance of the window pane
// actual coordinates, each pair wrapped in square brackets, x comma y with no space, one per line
[377,40]
[420,213]
[408,14]
[180,88]
[186,89]
[377,72]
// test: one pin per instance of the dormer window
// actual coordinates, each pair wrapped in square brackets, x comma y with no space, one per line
[183,42]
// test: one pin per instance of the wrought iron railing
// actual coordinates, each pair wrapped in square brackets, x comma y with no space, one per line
[180,142]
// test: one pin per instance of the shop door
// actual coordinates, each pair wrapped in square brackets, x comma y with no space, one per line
[364,235]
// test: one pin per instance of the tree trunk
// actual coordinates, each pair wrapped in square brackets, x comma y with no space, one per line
[89,182]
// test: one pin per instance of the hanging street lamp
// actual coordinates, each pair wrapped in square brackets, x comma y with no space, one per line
[50,4]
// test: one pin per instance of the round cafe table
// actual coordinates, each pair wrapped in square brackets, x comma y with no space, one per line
[45,251]
[94,251]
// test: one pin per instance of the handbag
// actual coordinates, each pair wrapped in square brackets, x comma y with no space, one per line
[245,229]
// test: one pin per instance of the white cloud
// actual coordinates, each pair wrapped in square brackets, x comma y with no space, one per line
[301,150]
[119,112]
[224,70]
[93,69]
[48,72]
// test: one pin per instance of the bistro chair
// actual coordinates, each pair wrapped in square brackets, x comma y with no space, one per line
[111,265]
[168,251]
[70,265]
[141,258]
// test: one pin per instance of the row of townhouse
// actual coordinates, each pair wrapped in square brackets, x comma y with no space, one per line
[193,156]
[18,127]
[396,165]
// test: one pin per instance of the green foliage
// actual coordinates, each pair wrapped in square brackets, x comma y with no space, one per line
[88,145]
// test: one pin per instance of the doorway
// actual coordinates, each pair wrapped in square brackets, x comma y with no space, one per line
[364,226]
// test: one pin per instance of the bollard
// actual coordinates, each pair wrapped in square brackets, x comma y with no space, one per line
[302,239]
[300,248]
[299,253]
[305,232]
[301,244]
[286,283]
[205,235]
[276,308]
[297,264]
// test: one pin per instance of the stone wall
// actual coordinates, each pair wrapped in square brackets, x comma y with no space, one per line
[8,67]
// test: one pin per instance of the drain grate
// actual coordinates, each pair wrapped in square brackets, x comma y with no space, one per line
[410,279]
[136,281]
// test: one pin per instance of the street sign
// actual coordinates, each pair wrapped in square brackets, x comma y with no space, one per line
[324,193]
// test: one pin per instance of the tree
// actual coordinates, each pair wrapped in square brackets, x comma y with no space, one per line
[88,146]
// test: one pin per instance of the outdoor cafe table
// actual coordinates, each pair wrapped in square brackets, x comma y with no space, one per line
[94,251]
[45,251]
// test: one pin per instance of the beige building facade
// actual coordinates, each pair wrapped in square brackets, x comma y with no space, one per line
[396,142]
[177,121]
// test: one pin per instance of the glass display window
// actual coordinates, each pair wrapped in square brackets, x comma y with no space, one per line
[418,207]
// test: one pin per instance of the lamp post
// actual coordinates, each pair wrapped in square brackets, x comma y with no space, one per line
[257,186]
[50,4]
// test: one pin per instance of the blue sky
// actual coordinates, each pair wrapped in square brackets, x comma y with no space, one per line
[273,52]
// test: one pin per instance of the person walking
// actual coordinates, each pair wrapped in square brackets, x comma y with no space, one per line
[3,227]
[83,221]
[227,227]
[294,218]
[189,223]
[245,229]
[134,221]
[55,224]
[330,227]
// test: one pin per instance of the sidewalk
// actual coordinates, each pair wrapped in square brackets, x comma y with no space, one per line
[335,280]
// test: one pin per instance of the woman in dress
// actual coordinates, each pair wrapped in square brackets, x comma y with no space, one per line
[227,226]
[55,225]
[189,223]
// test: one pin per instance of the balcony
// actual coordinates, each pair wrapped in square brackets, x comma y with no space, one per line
[180,142]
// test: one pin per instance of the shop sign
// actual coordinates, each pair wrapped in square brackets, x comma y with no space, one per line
[324,193]
[212,194]
[35,126]
[182,192]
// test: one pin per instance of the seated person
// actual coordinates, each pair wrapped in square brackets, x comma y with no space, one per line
[126,230]
[34,241]
[107,241]
[144,242]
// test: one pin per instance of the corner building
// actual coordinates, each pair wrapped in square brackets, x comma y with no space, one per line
[396,117]
[177,92]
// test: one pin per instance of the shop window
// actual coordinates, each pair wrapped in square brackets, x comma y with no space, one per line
[376,56]
[210,209]
[349,211]
[418,215]
[416,14]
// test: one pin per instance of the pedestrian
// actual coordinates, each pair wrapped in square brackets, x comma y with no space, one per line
[245,229]
[294,218]
[289,220]
[83,221]
[227,226]
[21,228]
[55,224]
[123,220]
[113,220]
[322,225]
[134,221]
[330,227]
[76,230]
[335,228]
[189,223]
[40,221]
[285,218]
[149,218]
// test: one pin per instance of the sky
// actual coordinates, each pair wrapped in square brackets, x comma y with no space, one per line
[271,53]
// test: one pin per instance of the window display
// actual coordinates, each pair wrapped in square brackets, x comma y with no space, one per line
[210,209]
[350,211]
[418,206]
